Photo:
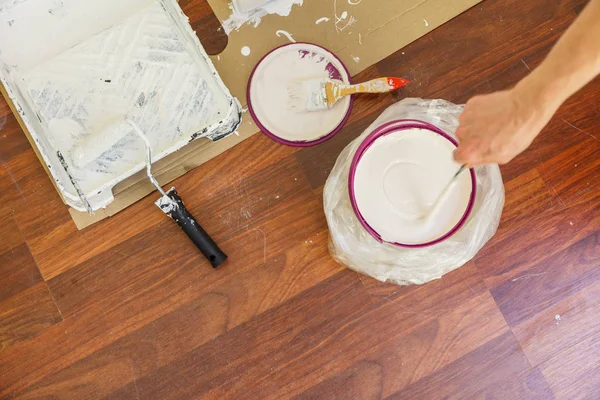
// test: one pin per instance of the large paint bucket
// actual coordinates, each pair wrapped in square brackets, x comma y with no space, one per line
[466,192]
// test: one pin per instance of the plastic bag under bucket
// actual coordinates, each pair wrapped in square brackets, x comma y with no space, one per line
[353,246]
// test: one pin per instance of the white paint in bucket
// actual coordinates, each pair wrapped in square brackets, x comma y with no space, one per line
[398,179]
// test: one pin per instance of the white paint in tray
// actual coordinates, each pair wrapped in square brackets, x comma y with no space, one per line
[76,68]
[252,12]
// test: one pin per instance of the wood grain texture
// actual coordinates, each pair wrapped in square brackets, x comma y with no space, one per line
[18,271]
[128,309]
[483,374]
[26,314]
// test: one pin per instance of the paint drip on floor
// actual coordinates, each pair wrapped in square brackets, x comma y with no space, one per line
[281,33]
[240,16]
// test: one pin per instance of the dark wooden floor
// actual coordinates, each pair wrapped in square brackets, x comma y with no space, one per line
[128,309]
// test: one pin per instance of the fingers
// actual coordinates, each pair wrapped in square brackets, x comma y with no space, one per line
[473,156]
[472,151]
[466,155]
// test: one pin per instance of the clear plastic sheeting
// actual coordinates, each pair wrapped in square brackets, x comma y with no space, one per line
[351,245]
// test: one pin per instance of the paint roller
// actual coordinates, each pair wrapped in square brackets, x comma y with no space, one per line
[94,145]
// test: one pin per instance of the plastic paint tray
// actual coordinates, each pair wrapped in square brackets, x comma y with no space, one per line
[394,127]
[72,67]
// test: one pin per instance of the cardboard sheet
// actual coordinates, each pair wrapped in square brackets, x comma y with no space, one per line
[360,34]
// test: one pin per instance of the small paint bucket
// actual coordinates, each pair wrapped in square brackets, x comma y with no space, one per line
[396,127]
[311,133]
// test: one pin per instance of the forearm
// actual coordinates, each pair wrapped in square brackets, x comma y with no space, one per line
[572,63]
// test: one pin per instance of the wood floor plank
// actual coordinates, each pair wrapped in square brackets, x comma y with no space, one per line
[169,286]
[360,381]
[350,341]
[575,373]
[255,350]
[221,307]
[560,326]
[573,175]
[10,234]
[18,271]
[11,136]
[529,384]
[540,237]
[140,352]
[404,359]
[4,110]
[550,281]
[479,373]
[525,196]
[26,315]
[36,205]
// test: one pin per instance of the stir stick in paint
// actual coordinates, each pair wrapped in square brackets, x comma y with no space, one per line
[442,197]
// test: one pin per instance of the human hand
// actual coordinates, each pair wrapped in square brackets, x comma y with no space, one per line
[496,127]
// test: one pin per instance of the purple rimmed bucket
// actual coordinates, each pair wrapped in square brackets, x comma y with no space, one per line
[334,73]
[386,129]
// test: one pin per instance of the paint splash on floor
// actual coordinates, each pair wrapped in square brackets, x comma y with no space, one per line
[281,33]
[343,20]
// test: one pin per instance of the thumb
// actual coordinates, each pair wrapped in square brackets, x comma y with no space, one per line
[465,155]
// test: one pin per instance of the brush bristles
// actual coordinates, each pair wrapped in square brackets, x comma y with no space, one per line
[308,95]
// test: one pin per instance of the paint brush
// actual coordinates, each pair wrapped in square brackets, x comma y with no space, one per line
[319,94]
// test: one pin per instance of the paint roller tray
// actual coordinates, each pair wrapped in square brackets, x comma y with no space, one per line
[72,67]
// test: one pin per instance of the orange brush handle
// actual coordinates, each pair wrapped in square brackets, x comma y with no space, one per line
[397,83]
[336,91]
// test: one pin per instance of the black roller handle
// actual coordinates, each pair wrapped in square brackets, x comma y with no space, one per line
[191,227]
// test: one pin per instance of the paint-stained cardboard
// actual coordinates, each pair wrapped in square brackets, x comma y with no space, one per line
[378,29]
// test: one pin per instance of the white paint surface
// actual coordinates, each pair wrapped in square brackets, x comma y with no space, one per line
[43,34]
[270,97]
[323,19]
[101,60]
[342,21]
[252,12]
[246,51]
[399,178]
